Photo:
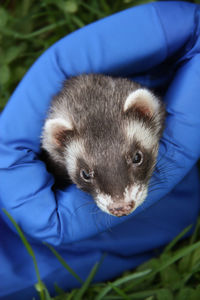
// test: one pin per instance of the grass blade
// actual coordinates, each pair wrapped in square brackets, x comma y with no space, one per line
[18,35]
[177,238]
[119,281]
[194,237]
[40,285]
[63,262]
[86,284]
[71,295]
[178,254]
[93,10]
[119,292]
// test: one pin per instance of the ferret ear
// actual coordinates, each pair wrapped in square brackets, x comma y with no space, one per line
[142,101]
[56,132]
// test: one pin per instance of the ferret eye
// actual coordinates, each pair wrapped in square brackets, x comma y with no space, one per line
[137,158]
[86,176]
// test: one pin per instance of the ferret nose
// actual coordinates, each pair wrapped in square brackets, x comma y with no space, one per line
[120,209]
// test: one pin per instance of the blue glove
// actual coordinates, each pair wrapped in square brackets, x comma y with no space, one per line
[156,44]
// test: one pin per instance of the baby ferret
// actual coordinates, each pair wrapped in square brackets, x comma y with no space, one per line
[103,133]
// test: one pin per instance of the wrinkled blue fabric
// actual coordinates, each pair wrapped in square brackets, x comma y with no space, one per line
[156,44]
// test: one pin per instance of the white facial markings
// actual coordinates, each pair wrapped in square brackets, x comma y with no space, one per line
[135,130]
[136,193]
[103,201]
[74,151]
[130,193]
[142,197]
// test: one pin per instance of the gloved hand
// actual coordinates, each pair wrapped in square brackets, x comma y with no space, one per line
[157,44]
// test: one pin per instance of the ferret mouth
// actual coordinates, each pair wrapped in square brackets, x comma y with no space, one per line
[121,209]
[133,197]
[118,209]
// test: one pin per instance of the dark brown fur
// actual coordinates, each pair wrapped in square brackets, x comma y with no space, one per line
[95,106]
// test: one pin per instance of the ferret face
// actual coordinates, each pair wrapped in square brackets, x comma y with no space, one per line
[117,177]
[111,151]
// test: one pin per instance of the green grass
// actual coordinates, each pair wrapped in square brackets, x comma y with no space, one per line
[174,275]
[28,28]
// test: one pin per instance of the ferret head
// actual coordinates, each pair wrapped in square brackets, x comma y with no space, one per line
[111,152]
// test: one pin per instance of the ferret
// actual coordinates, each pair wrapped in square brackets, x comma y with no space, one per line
[103,133]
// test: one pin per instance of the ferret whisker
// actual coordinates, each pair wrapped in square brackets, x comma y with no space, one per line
[108,223]
[160,160]
[97,214]
[156,189]
[96,210]
[164,170]
[163,174]
[160,183]
[83,205]
[156,184]
[157,181]
[164,166]
[105,217]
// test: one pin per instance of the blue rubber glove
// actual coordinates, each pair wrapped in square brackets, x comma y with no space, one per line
[134,41]
[157,44]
